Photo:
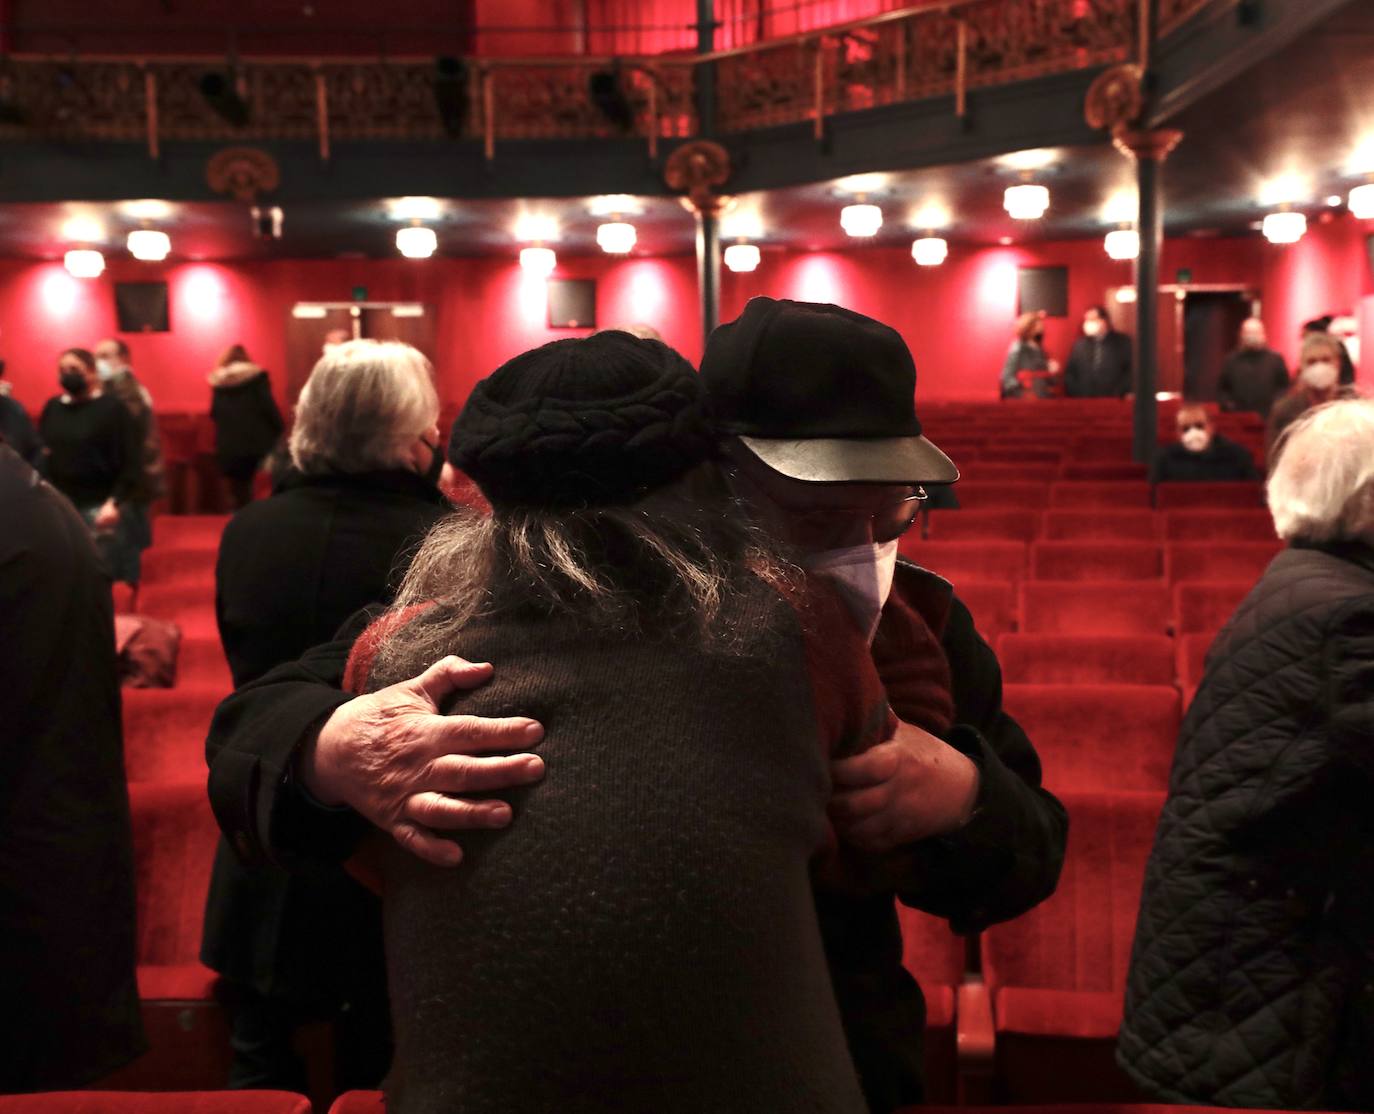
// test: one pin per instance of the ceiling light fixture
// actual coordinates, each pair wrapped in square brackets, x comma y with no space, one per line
[84,263]
[1286,189]
[742,257]
[416,241]
[538,261]
[932,215]
[613,204]
[1284,227]
[414,208]
[1362,201]
[616,237]
[1122,243]
[149,244]
[860,184]
[536,228]
[861,219]
[929,251]
[1026,201]
[83,230]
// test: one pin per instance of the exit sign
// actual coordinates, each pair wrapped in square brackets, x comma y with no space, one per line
[1185,276]
[360,293]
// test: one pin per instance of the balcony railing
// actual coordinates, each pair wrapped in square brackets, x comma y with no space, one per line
[941,49]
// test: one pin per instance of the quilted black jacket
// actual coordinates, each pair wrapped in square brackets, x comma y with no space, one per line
[1252,978]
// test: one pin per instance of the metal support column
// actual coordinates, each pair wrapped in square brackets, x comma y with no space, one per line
[1150,224]
[705,72]
[708,267]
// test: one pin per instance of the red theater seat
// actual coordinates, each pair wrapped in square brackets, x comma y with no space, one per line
[1183,496]
[1207,606]
[1219,525]
[997,525]
[1095,607]
[153,1102]
[1111,496]
[992,605]
[359,1102]
[164,731]
[1078,560]
[1099,737]
[180,564]
[963,561]
[1103,472]
[975,496]
[1086,659]
[1101,525]
[1219,560]
[1097,1107]
[188,529]
[1192,658]
[1056,975]
[984,471]
[936,958]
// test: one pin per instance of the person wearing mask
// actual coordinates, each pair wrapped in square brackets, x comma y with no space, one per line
[117,378]
[1100,363]
[1251,982]
[93,457]
[1026,369]
[291,569]
[293,739]
[1254,375]
[1318,382]
[1201,454]
[68,944]
[247,421]
[1322,326]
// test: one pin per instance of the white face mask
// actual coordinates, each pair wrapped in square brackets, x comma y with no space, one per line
[104,369]
[1093,328]
[1195,440]
[863,574]
[1320,375]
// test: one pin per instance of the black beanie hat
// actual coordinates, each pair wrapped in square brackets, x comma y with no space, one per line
[582,423]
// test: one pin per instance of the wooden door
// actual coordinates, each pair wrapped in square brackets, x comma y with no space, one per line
[305,338]
[413,324]
[1169,362]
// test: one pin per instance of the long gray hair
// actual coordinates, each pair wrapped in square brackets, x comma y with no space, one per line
[671,563]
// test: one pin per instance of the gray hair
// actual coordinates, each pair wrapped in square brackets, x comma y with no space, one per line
[1322,488]
[365,402]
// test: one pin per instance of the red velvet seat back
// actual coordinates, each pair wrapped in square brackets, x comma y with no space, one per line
[1241,495]
[992,604]
[1110,496]
[359,1102]
[930,951]
[1218,525]
[1103,471]
[993,524]
[1086,659]
[1080,938]
[164,1102]
[1080,560]
[961,561]
[986,471]
[1101,525]
[1219,560]
[1207,606]
[174,847]
[165,729]
[974,496]
[1099,737]
[1104,607]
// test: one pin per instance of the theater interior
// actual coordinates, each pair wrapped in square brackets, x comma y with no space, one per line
[477,179]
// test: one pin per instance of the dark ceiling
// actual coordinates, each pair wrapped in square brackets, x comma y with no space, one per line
[1303,114]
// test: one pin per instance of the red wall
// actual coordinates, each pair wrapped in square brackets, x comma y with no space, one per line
[957,318]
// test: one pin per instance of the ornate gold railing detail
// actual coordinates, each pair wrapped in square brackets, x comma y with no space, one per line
[935,49]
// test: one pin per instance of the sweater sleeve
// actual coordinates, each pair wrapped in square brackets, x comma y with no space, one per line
[1348,668]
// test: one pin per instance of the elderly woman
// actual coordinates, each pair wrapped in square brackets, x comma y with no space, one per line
[334,538]
[1317,382]
[644,936]
[1251,981]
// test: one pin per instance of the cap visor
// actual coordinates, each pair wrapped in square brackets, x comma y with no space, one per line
[883,460]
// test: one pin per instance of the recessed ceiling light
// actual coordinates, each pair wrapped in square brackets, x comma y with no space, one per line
[149,244]
[861,220]
[536,228]
[741,224]
[616,237]
[615,204]
[538,261]
[742,257]
[148,209]
[1334,201]
[932,215]
[1284,228]
[1026,201]
[416,241]
[415,208]
[862,183]
[84,263]
[1034,159]
[1285,189]
[83,230]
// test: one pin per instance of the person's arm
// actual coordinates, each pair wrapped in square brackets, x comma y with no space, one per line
[1348,674]
[1281,378]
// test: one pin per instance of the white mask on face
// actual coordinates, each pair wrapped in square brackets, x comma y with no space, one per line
[1092,328]
[1320,375]
[1195,440]
[863,574]
[104,369]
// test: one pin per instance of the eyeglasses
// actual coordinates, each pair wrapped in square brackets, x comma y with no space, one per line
[887,523]
[1192,426]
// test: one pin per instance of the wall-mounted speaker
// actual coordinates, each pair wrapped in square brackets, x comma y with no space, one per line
[141,307]
[572,303]
[1043,290]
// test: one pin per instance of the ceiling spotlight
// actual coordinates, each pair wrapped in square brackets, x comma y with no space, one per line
[221,95]
[616,237]
[84,263]
[1286,227]
[538,261]
[1123,243]
[861,220]
[929,251]
[1362,201]
[742,257]
[416,241]
[1334,201]
[149,244]
[1026,201]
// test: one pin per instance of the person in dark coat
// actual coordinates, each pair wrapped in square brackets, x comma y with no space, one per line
[1251,982]
[247,421]
[67,935]
[94,458]
[280,746]
[1318,383]
[1100,362]
[291,569]
[1027,370]
[1254,375]
[18,431]
[1201,454]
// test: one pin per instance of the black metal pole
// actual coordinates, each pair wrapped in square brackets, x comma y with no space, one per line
[706,71]
[708,268]
[1150,224]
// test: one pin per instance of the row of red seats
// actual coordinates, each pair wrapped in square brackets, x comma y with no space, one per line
[1100,524]
[1039,495]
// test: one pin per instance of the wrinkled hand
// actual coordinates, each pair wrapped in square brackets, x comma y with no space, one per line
[909,788]
[107,518]
[390,756]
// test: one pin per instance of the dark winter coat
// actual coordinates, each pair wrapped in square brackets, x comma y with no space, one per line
[18,432]
[67,942]
[1099,367]
[291,569]
[1252,978]
[1251,379]
[1220,461]
[247,421]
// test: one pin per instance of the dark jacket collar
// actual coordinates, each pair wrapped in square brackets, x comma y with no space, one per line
[1357,553]
[395,481]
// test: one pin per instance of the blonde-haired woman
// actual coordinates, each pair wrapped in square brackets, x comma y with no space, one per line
[247,421]
[335,537]
[1026,369]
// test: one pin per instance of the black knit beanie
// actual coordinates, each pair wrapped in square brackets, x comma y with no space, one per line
[582,423]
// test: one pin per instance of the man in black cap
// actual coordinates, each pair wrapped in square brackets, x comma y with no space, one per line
[815,405]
